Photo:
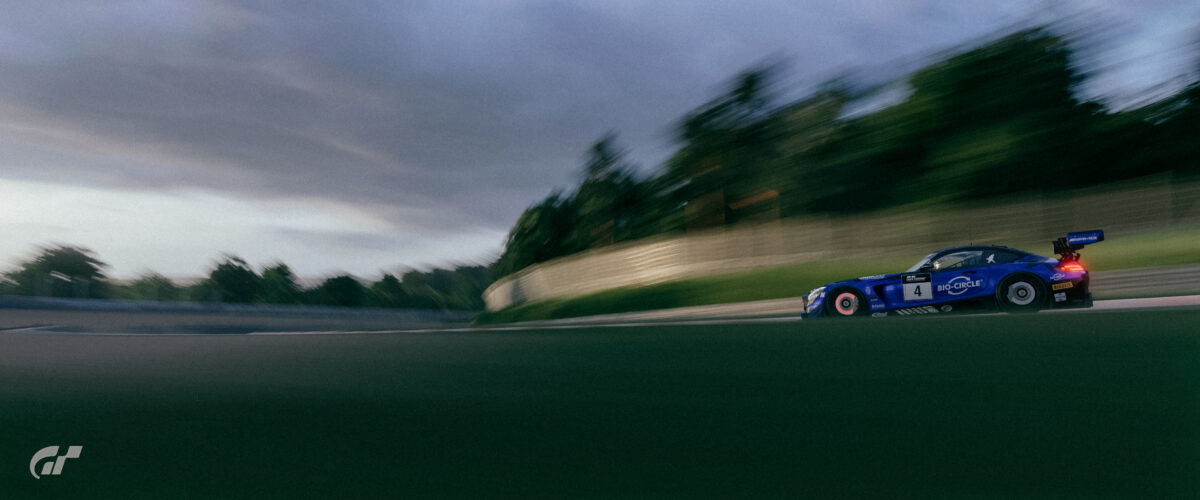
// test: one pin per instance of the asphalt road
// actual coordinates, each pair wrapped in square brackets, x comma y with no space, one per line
[1097,404]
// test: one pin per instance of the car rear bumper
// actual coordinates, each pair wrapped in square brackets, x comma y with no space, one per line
[1077,295]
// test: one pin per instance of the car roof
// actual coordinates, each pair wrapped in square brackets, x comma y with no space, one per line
[974,247]
[979,247]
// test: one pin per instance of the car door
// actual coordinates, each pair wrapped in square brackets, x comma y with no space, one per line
[906,289]
[959,275]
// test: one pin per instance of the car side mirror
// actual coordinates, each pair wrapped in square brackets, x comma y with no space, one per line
[926,268]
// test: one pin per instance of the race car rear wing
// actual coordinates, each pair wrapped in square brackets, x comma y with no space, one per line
[1068,248]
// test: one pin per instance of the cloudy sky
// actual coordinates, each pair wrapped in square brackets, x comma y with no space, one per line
[367,136]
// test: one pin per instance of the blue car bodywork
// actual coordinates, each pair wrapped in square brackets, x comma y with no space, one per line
[971,277]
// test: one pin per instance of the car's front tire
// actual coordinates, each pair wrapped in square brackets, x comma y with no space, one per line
[1021,293]
[846,302]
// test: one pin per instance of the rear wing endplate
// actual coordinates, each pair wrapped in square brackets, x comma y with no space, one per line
[1068,248]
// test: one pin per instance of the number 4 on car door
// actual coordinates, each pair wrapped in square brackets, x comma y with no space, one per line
[917,287]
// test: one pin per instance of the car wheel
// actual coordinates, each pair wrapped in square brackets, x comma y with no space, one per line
[846,302]
[1021,293]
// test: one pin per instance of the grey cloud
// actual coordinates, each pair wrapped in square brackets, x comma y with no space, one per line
[438,114]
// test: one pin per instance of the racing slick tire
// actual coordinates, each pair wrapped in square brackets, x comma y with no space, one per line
[1021,293]
[846,302]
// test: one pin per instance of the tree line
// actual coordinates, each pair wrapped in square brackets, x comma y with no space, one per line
[72,271]
[999,119]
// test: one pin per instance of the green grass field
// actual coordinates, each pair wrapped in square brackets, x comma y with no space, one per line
[1158,248]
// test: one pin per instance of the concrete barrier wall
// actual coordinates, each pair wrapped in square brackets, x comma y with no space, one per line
[1122,209]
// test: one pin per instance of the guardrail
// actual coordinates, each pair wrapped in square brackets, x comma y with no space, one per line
[137,306]
[1118,209]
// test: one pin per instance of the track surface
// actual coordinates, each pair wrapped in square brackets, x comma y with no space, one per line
[1105,403]
[345,321]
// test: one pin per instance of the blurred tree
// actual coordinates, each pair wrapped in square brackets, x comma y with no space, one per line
[420,294]
[657,211]
[459,288]
[727,148]
[341,290]
[387,292]
[607,201]
[61,271]
[279,285]
[440,281]
[540,234]
[202,291]
[999,118]
[990,120]
[462,287]
[1178,125]
[1186,127]
[234,281]
[807,130]
[150,286]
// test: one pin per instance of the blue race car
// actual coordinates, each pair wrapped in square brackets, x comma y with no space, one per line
[962,278]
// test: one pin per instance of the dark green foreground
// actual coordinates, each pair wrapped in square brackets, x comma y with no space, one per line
[1089,404]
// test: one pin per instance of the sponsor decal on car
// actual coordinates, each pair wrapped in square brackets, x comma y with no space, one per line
[1062,286]
[1060,297]
[959,285]
[1057,276]
[1085,237]
[872,277]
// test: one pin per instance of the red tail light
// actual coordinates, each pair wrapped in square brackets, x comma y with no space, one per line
[1071,267]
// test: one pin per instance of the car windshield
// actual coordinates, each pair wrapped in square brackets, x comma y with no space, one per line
[921,263]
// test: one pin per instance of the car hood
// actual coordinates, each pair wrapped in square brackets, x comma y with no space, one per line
[877,277]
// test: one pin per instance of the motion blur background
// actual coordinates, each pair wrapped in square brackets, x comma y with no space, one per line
[777,183]
[988,143]
[382,173]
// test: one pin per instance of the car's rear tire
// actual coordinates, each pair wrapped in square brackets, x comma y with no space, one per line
[1021,293]
[846,302]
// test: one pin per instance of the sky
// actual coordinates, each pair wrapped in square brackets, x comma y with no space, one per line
[368,137]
